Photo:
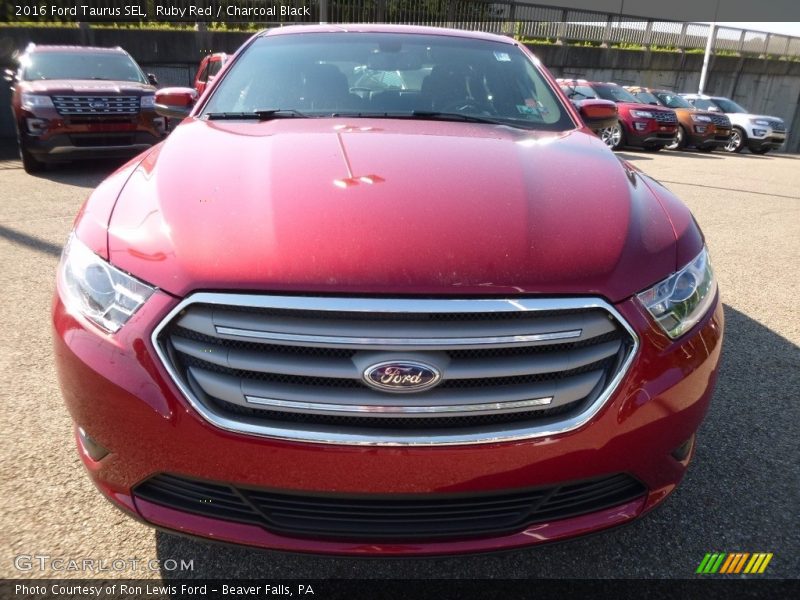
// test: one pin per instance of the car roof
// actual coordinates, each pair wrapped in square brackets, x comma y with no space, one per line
[67,48]
[384,28]
[564,80]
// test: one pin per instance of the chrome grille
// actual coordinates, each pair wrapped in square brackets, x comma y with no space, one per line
[720,120]
[777,126]
[665,116]
[293,367]
[96,105]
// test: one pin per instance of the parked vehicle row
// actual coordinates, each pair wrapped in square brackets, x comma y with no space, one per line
[676,121]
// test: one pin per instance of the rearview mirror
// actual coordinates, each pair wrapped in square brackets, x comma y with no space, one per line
[598,114]
[175,102]
[394,61]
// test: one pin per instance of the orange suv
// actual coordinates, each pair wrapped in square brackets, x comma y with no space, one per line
[705,130]
[74,102]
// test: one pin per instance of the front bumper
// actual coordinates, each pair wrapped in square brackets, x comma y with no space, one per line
[649,132]
[710,137]
[119,393]
[769,139]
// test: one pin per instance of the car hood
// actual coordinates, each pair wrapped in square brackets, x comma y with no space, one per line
[86,86]
[747,116]
[391,207]
[643,106]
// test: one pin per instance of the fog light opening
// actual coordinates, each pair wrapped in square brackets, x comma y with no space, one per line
[682,452]
[92,449]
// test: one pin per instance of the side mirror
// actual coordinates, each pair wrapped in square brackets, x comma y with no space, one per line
[598,114]
[176,102]
[152,79]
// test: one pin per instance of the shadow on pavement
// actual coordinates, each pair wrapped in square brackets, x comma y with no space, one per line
[740,494]
[87,174]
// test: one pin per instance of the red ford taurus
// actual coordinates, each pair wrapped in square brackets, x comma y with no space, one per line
[384,292]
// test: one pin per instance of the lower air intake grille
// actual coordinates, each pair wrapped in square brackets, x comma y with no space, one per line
[298,367]
[383,517]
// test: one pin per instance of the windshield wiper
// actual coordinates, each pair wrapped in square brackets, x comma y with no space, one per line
[259,115]
[448,116]
[466,118]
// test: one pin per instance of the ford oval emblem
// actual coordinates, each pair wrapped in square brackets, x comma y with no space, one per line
[402,376]
[98,104]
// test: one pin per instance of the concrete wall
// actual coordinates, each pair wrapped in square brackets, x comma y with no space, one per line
[764,86]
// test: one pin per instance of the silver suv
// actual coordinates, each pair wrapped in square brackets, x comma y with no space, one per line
[759,133]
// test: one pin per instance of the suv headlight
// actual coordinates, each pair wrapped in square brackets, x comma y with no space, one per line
[762,122]
[701,118]
[100,292]
[642,114]
[148,101]
[682,299]
[31,101]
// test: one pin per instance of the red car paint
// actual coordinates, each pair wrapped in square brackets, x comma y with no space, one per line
[453,210]
[209,68]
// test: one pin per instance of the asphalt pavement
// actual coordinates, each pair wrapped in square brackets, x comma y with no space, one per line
[741,494]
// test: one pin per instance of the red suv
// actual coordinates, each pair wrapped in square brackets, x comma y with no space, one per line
[640,124]
[76,102]
[440,318]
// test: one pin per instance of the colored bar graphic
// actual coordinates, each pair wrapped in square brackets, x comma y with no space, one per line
[764,564]
[717,564]
[732,558]
[732,563]
[703,563]
[741,562]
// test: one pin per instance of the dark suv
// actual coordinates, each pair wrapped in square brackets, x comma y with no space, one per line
[73,102]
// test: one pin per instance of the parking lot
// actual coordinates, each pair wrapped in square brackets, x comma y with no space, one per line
[742,493]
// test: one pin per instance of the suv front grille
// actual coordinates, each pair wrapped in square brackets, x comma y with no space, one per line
[96,105]
[389,517]
[720,120]
[777,126]
[293,367]
[665,116]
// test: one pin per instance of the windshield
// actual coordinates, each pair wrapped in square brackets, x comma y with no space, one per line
[388,75]
[614,93]
[673,100]
[729,106]
[111,66]
[647,98]
[578,92]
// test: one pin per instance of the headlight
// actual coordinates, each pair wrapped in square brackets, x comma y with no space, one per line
[31,101]
[701,118]
[762,122]
[148,101]
[100,292]
[681,300]
[642,114]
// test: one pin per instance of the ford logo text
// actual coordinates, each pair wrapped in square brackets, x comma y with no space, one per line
[402,376]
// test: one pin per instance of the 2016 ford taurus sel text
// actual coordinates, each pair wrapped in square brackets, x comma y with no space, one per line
[384,292]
